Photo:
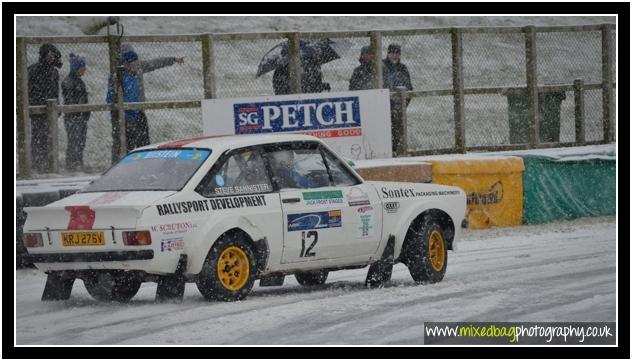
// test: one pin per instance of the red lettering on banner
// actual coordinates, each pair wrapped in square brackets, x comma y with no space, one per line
[335,133]
[81,217]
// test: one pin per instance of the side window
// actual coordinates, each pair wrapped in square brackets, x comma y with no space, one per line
[298,168]
[241,173]
[342,177]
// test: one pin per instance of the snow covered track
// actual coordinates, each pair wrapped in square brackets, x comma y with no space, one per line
[563,271]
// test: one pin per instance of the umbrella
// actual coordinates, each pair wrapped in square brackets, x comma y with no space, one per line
[319,52]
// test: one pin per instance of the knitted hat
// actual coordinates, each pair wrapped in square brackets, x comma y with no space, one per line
[366,50]
[76,62]
[129,56]
[394,49]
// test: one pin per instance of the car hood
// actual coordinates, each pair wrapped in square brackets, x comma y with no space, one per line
[99,210]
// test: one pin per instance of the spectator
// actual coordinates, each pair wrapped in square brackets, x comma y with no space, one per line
[136,128]
[142,67]
[43,84]
[362,77]
[311,78]
[395,74]
[74,91]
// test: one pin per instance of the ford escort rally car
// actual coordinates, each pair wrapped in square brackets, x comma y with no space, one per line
[225,211]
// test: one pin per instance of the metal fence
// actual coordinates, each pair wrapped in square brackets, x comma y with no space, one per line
[464,81]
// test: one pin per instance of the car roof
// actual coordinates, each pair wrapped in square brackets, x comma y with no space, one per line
[223,142]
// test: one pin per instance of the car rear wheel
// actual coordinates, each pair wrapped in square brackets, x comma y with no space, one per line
[312,278]
[228,273]
[426,252]
[112,286]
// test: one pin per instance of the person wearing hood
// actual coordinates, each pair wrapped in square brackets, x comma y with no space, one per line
[43,84]
[73,90]
[362,77]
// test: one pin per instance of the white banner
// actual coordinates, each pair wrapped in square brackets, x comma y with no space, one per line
[356,124]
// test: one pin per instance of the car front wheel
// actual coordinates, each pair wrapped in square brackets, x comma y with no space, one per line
[426,251]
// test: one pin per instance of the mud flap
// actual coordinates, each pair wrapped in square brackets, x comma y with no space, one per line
[380,272]
[57,287]
[171,287]
[273,279]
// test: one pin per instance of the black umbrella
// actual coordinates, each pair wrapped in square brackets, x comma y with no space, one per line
[319,52]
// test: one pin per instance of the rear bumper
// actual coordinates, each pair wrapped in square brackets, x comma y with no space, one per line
[91,256]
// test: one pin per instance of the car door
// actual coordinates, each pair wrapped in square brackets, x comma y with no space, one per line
[317,218]
[363,215]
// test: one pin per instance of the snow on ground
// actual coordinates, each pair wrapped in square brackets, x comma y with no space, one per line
[563,271]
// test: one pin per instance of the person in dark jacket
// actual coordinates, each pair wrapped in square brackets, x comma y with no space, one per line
[136,127]
[73,90]
[395,74]
[43,84]
[140,68]
[362,77]
[311,78]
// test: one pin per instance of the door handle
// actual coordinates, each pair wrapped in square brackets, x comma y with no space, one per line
[291,200]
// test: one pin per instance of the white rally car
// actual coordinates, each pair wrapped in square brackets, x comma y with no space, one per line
[225,211]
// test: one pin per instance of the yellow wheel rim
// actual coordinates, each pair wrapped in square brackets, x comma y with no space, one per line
[436,248]
[233,268]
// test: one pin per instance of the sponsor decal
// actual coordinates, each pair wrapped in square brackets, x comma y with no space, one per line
[81,217]
[314,220]
[357,197]
[210,204]
[171,244]
[254,188]
[173,228]
[182,154]
[320,115]
[409,192]
[491,196]
[391,207]
[365,222]
[322,197]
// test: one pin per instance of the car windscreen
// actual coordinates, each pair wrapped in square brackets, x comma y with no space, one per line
[151,170]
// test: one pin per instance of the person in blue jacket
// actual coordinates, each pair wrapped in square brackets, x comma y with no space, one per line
[136,127]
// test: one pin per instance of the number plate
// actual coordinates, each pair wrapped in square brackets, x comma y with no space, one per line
[71,239]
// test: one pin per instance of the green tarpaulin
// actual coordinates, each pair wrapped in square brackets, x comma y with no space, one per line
[568,187]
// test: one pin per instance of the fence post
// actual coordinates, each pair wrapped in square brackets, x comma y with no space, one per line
[121,113]
[208,66]
[580,135]
[52,113]
[532,86]
[606,81]
[376,48]
[23,119]
[119,142]
[401,127]
[294,52]
[457,87]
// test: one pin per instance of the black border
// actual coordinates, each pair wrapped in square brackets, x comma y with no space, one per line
[623,351]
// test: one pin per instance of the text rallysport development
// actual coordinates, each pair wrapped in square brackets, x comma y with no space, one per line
[211,204]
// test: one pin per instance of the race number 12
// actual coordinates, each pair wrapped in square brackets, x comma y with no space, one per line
[308,252]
